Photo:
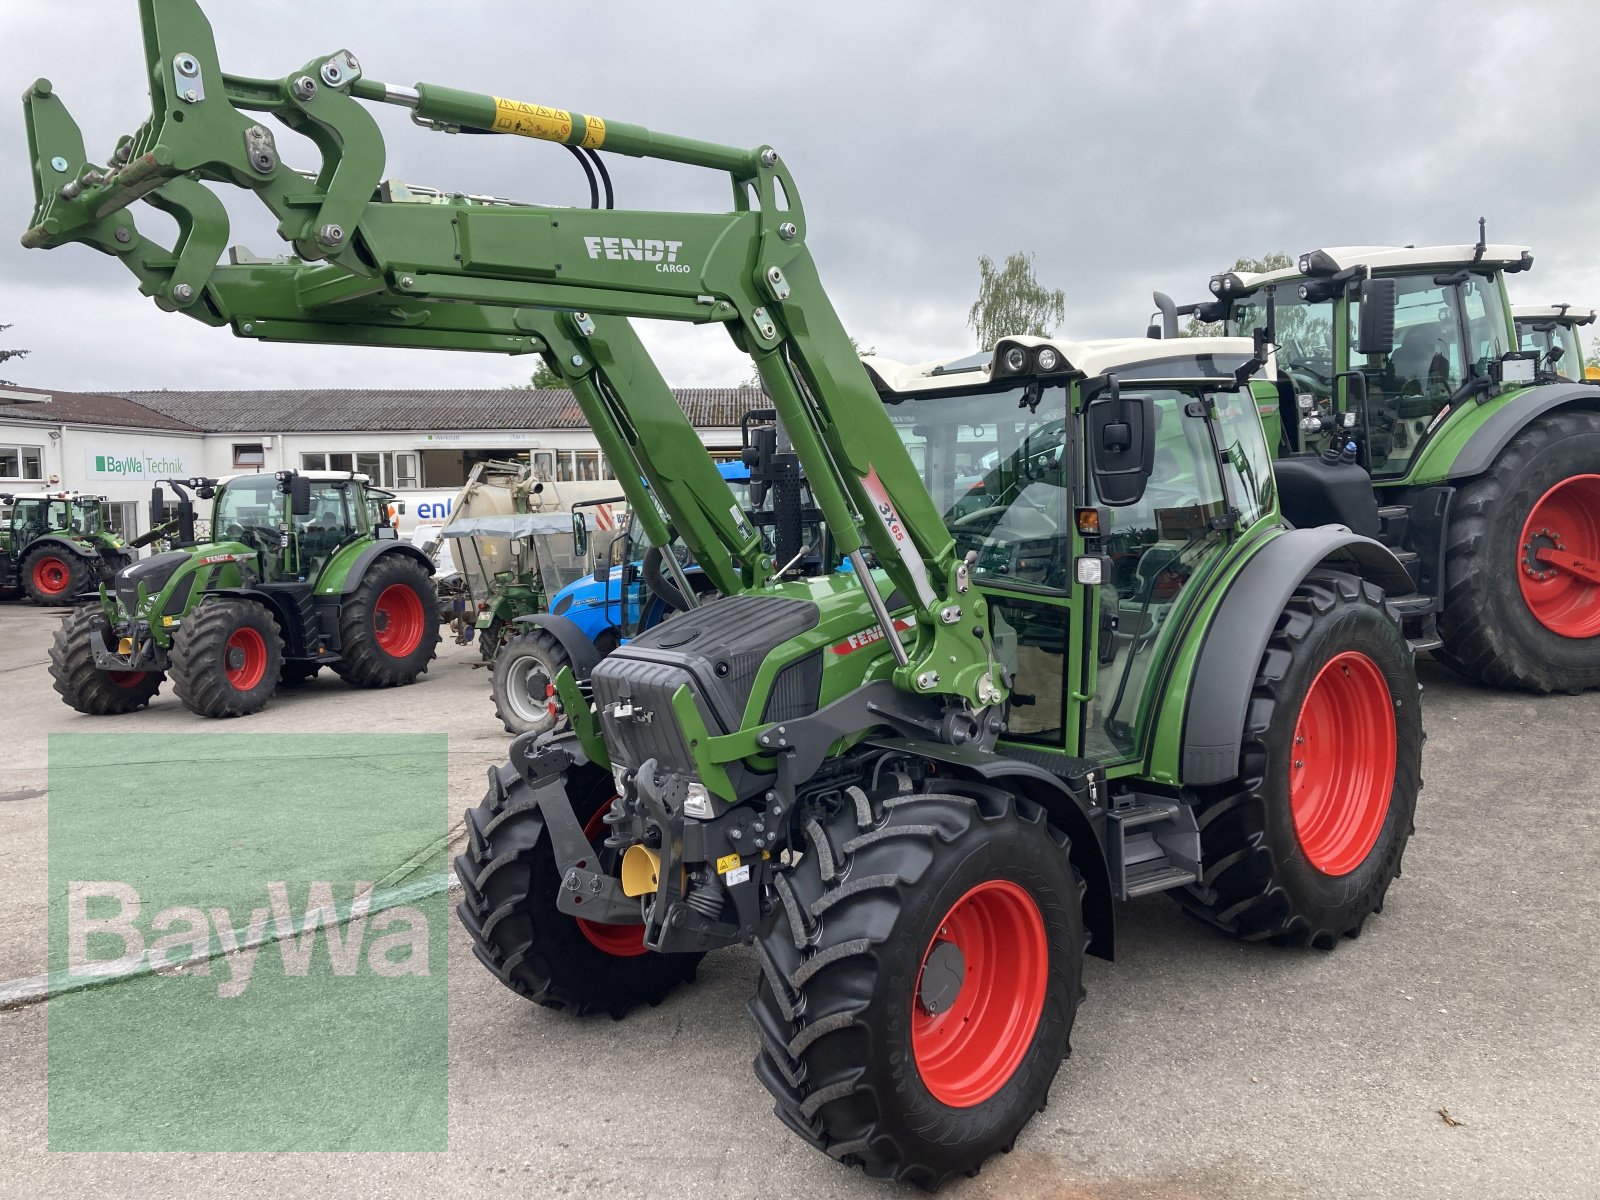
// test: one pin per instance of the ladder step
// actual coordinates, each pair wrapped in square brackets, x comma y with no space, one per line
[1388,512]
[1134,815]
[1158,875]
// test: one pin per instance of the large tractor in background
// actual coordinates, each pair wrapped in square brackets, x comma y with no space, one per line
[1405,405]
[56,545]
[303,570]
[1079,656]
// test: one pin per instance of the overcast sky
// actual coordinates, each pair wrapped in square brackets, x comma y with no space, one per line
[1128,146]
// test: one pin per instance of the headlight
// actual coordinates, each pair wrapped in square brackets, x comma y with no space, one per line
[1305,289]
[1305,264]
[1048,359]
[697,802]
[1016,359]
[1216,286]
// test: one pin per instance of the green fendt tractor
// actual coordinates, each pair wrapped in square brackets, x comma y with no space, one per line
[918,786]
[1551,331]
[1408,413]
[302,570]
[56,545]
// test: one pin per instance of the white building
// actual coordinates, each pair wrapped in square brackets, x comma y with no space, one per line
[421,444]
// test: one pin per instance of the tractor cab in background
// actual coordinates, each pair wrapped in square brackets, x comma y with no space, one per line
[56,545]
[1551,332]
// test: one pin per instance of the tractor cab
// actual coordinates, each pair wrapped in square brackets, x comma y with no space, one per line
[1378,345]
[1551,332]
[56,545]
[295,522]
[68,514]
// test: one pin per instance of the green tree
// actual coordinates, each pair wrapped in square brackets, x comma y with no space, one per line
[1011,300]
[546,380]
[8,355]
[1275,261]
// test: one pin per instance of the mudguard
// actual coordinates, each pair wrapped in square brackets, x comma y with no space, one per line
[1224,675]
[1080,813]
[67,545]
[580,648]
[1496,432]
[364,560]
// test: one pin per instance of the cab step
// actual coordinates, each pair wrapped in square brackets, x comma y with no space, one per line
[1153,845]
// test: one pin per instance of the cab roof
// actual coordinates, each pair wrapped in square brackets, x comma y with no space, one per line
[1562,314]
[1085,359]
[313,476]
[1330,260]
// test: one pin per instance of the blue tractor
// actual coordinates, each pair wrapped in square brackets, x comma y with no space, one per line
[592,616]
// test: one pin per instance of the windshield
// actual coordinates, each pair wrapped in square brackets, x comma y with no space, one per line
[1557,346]
[994,463]
[1304,332]
[253,502]
[86,516]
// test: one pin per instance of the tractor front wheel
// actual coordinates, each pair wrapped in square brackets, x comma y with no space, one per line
[1302,847]
[921,971]
[226,657]
[1522,569]
[52,576]
[387,633]
[84,686]
[524,670]
[510,879]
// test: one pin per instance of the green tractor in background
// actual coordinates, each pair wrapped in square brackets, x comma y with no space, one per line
[1405,409]
[1551,330]
[56,545]
[304,570]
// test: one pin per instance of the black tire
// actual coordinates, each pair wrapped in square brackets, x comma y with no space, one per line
[296,672]
[525,665]
[226,658]
[369,655]
[510,880]
[839,998]
[47,563]
[1490,634]
[84,686]
[1261,881]
[491,639]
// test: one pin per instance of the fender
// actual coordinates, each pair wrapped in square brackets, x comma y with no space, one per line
[364,560]
[1078,813]
[1224,675]
[578,645]
[287,616]
[1497,430]
[67,546]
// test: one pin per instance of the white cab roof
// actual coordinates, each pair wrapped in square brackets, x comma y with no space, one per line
[1087,359]
[313,476]
[1389,258]
[1566,314]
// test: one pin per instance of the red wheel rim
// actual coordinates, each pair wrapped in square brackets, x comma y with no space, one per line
[126,679]
[245,658]
[1342,773]
[50,575]
[619,941]
[1558,558]
[967,1052]
[398,620]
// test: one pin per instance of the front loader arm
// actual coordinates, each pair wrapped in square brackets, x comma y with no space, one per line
[375,264]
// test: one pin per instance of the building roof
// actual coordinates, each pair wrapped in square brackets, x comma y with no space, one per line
[89,408]
[393,409]
[1089,359]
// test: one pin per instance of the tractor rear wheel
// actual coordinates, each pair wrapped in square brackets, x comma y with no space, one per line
[226,657]
[523,671]
[387,634]
[84,686]
[1302,847]
[1522,570]
[919,980]
[510,880]
[53,576]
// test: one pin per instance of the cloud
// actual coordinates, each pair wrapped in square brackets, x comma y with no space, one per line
[1128,146]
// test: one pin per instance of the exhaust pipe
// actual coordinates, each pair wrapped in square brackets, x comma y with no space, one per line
[1169,314]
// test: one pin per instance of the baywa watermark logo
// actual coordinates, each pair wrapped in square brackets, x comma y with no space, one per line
[185,938]
[660,251]
[137,465]
[247,942]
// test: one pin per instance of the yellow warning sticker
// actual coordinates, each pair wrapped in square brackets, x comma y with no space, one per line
[533,120]
[728,862]
[594,131]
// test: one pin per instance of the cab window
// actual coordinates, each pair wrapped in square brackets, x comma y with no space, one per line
[1409,386]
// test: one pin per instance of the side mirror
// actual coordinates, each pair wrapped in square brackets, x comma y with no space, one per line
[158,507]
[1375,334]
[1122,446]
[299,490]
[1553,355]
[580,536]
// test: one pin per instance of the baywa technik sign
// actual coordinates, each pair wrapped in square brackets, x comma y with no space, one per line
[137,464]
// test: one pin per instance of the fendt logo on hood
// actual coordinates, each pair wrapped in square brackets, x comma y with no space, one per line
[652,250]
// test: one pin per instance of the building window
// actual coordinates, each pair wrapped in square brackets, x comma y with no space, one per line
[588,465]
[21,462]
[249,455]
